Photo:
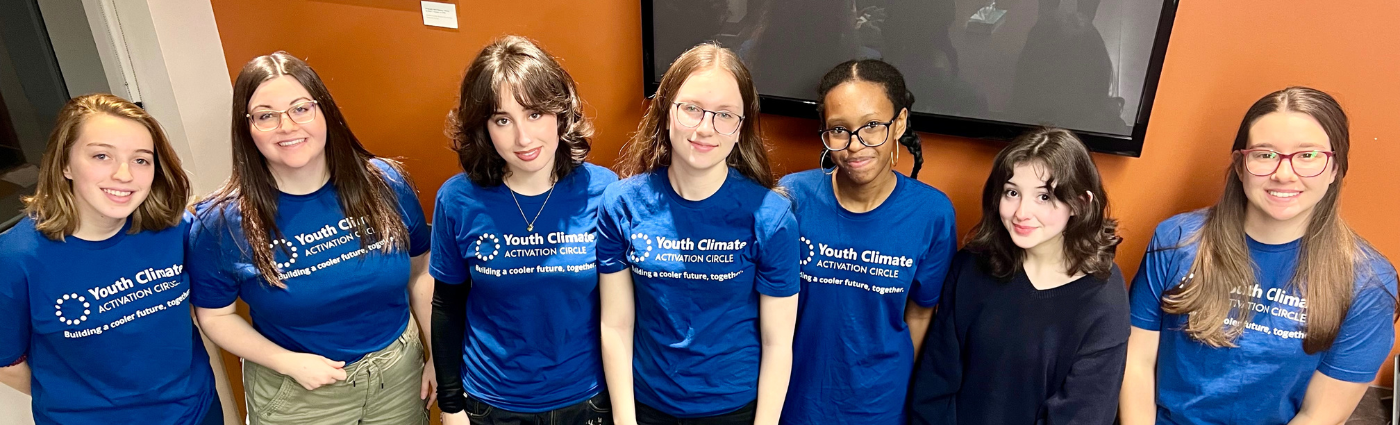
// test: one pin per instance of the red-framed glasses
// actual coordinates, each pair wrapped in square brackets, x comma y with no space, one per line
[1265,162]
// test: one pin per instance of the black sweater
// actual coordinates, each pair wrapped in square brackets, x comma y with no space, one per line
[1003,352]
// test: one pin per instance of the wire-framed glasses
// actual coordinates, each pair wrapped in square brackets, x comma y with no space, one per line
[691,115]
[267,119]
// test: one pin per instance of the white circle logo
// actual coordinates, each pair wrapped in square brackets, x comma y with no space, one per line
[75,303]
[811,252]
[641,248]
[486,242]
[291,252]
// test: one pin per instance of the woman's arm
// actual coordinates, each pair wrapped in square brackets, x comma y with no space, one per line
[1362,346]
[618,318]
[777,319]
[1328,401]
[230,331]
[917,317]
[449,327]
[16,376]
[1137,401]
[420,300]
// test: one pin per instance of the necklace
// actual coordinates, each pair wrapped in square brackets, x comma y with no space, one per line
[530,223]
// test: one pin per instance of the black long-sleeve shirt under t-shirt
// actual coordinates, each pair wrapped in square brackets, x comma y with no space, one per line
[1004,352]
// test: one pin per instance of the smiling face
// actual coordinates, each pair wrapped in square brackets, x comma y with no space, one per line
[527,139]
[292,145]
[1284,197]
[111,166]
[1030,211]
[702,148]
[850,106]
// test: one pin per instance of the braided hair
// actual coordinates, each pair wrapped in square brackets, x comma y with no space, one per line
[886,76]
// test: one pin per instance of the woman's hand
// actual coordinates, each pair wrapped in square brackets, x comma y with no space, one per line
[310,370]
[429,390]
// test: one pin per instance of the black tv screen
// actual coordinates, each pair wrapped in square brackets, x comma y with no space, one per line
[977,68]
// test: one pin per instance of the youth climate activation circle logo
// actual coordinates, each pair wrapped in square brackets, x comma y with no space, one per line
[484,242]
[74,302]
[641,248]
[291,251]
[811,252]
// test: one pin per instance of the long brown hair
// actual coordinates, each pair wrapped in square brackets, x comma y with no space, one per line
[1091,236]
[53,207]
[363,187]
[650,147]
[1327,255]
[539,83]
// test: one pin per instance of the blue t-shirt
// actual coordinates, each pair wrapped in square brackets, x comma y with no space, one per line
[1264,379]
[858,272]
[341,301]
[698,268]
[532,341]
[106,327]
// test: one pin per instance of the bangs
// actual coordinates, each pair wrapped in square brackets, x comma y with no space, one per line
[1061,189]
[534,87]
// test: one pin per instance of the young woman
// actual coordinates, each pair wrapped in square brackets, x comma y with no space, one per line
[1266,307]
[328,246]
[102,242]
[709,250]
[875,249]
[1032,326]
[517,231]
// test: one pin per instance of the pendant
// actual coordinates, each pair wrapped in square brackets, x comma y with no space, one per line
[529,228]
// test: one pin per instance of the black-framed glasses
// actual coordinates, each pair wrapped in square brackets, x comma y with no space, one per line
[839,138]
[1265,162]
[267,119]
[691,115]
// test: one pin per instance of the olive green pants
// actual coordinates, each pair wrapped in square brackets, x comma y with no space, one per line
[381,388]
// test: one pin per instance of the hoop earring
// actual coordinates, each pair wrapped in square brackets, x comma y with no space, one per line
[894,159]
[821,163]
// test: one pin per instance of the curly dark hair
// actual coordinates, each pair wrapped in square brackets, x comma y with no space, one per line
[1091,238]
[538,83]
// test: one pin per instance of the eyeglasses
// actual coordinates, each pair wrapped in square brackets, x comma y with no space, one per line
[267,120]
[1265,162]
[724,122]
[839,138]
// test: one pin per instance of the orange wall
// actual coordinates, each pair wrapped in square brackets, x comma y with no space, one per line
[395,80]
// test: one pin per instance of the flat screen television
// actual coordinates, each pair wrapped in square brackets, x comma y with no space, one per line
[977,68]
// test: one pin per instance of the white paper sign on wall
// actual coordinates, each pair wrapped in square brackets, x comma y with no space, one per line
[439,14]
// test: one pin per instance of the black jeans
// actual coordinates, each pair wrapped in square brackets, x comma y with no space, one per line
[594,411]
[646,415]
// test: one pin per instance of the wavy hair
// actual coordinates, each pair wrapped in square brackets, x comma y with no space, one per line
[53,207]
[538,83]
[1091,236]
